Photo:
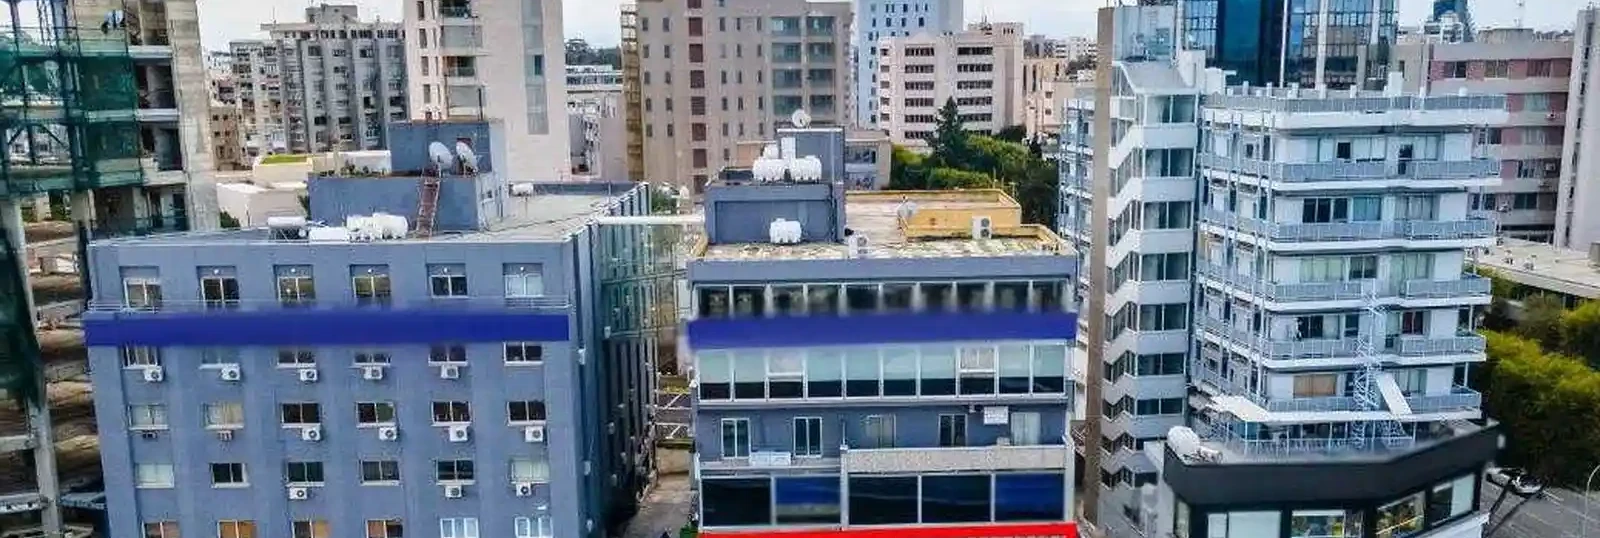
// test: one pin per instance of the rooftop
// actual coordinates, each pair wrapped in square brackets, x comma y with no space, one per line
[554,211]
[940,226]
[1544,266]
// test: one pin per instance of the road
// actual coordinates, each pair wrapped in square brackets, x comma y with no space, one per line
[1557,513]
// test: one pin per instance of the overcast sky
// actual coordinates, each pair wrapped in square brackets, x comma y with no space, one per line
[597,20]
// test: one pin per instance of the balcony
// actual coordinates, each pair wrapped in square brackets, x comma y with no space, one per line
[1467,286]
[1340,171]
[1459,399]
[1425,345]
[950,459]
[1310,291]
[1317,232]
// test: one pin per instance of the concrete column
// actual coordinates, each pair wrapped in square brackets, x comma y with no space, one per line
[11,221]
[83,208]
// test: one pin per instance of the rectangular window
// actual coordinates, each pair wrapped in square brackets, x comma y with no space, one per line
[385,528]
[303,473]
[301,414]
[371,285]
[218,357]
[1316,385]
[525,411]
[1400,518]
[530,471]
[219,290]
[458,527]
[236,529]
[735,438]
[371,358]
[374,413]
[147,417]
[380,471]
[451,413]
[447,281]
[879,430]
[228,475]
[535,527]
[976,368]
[523,280]
[524,353]
[153,475]
[447,354]
[141,293]
[952,430]
[224,415]
[161,529]
[454,471]
[141,357]
[296,357]
[808,436]
[296,287]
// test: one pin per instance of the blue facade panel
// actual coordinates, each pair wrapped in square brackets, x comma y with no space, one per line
[879,329]
[351,326]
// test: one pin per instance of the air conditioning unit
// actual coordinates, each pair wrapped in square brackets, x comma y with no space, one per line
[224,435]
[982,227]
[454,492]
[231,373]
[533,434]
[372,373]
[154,375]
[299,494]
[524,490]
[449,371]
[389,433]
[459,434]
[856,246]
[308,375]
[311,433]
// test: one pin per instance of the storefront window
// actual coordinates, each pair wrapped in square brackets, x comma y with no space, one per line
[1401,518]
[1451,499]
[1324,524]
[806,500]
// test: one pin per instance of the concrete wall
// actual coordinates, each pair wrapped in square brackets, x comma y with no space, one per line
[409,142]
[743,213]
[334,198]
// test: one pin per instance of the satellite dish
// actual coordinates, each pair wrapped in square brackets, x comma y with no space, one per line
[469,160]
[800,118]
[440,155]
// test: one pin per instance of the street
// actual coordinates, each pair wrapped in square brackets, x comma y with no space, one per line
[1556,513]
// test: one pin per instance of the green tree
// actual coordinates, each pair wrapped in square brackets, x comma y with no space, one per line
[1013,133]
[1548,406]
[1580,333]
[952,178]
[950,137]
[908,170]
[1541,320]
[228,222]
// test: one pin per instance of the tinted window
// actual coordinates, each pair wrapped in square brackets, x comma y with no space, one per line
[736,501]
[1029,497]
[955,499]
[807,500]
[882,500]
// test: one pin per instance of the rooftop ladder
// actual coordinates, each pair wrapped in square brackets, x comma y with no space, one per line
[427,204]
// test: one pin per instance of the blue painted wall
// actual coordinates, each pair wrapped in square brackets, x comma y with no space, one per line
[743,213]
[879,329]
[408,142]
[335,198]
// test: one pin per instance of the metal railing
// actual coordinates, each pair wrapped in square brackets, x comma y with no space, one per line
[1312,232]
[1460,398]
[1335,171]
[1424,345]
[1307,291]
[1468,285]
[1310,102]
[224,306]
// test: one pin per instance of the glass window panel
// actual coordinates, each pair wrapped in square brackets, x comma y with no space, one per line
[861,372]
[899,371]
[974,296]
[1010,295]
[713,301]
[886,500]
[785,374]
[1400,518]
[824,374]
[806,500]
[822,299]
[715,374]
[955,498]
[1029,497]
[749,301]
[938,296]
[1050,368]
[977,369]
[1015,365]
[788,300]
[1049,296]
[1324,524]
[736,501]
[938,371]
[862,298]
[897,297]
[749,375]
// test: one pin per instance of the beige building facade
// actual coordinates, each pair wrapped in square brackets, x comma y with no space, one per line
[981,69]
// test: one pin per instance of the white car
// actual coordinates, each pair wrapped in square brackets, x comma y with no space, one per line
[1516,480]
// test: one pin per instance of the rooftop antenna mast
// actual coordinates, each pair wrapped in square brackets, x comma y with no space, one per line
[1522,11]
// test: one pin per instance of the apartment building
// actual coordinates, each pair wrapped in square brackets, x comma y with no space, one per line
[1533,71]
[1575,227]
[1311,43]
[499,60]
[599,139]
[879,19]
[1282,271]
[584,80]
[335,80]
[713,74]
[461,375]
[1045,83]
[894,361]
[1076,47]
[227,145]
[981,69]
[259,77]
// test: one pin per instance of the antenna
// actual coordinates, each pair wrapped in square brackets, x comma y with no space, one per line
[469,160]
[440,155]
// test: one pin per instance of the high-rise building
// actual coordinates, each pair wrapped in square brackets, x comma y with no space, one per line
[334,81]
[1310,43]
[712,74]
[1045,82]
[104,109]
[1534,71]
[876,20]
[1577,226]
[258,74]
[462,374]
[981,69]
[498,60]
[1283,276]
[892,364]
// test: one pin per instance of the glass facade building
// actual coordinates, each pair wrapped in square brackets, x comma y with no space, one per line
[1339,43]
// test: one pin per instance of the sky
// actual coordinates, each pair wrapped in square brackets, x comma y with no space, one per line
[596,21]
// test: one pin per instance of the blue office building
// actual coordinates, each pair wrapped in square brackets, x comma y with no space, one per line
[483,374]
[868,361]
[1336,43]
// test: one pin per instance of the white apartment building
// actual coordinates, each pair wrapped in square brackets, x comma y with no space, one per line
[1076,47]
[1045,83]
[1283,277]
[980,68]
[499,60]
[1577,224]
[333,81]
[584,81]
[598,136]
[258,79]
[712,74]
[879,19]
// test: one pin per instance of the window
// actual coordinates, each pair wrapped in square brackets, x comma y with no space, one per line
[302,414]
[1325,523]
[228,475]
[236,529]
[303,472]
[161,529]
[460,527]
[735,438]
[808,436]
[147,417]
[1451,499]
[1316,385]
[296,357]
[216,357]
[371,285]
[535,527]
[530,471]
[524,353]
[152,475]
[1496,69]
[380,471]
[142,293]
[526,411]
[447,281]
[451,413]
[219,290]
[447,354]
[952,430]
[453,471]
[524,280]
[879,431]
[385,528]
[141,357]
[1412,381]
[225,415]
[296,286]
[371,358]
[1400,518]
[374,413]
[976,369]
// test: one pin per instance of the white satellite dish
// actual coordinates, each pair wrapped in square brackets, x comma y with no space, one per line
[440,155]
[800,118]
[469,160]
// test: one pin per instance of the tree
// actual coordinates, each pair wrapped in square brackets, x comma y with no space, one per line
[1548,406]
[228,222]
[908,170]
[1014,133]
[949,142]
[1541,320]
[952,178]
[1580,333]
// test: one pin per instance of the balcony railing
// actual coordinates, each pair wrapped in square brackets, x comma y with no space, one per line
[227,305]
[1310,102]
[1308,291]
[1466,286]
[1460,398]
[151,225]
[455,12]
[1425,345]
[1356,170]
[1314,232]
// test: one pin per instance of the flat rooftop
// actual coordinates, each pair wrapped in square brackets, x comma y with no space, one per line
[1543,266]
[940,227]
[551,214]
